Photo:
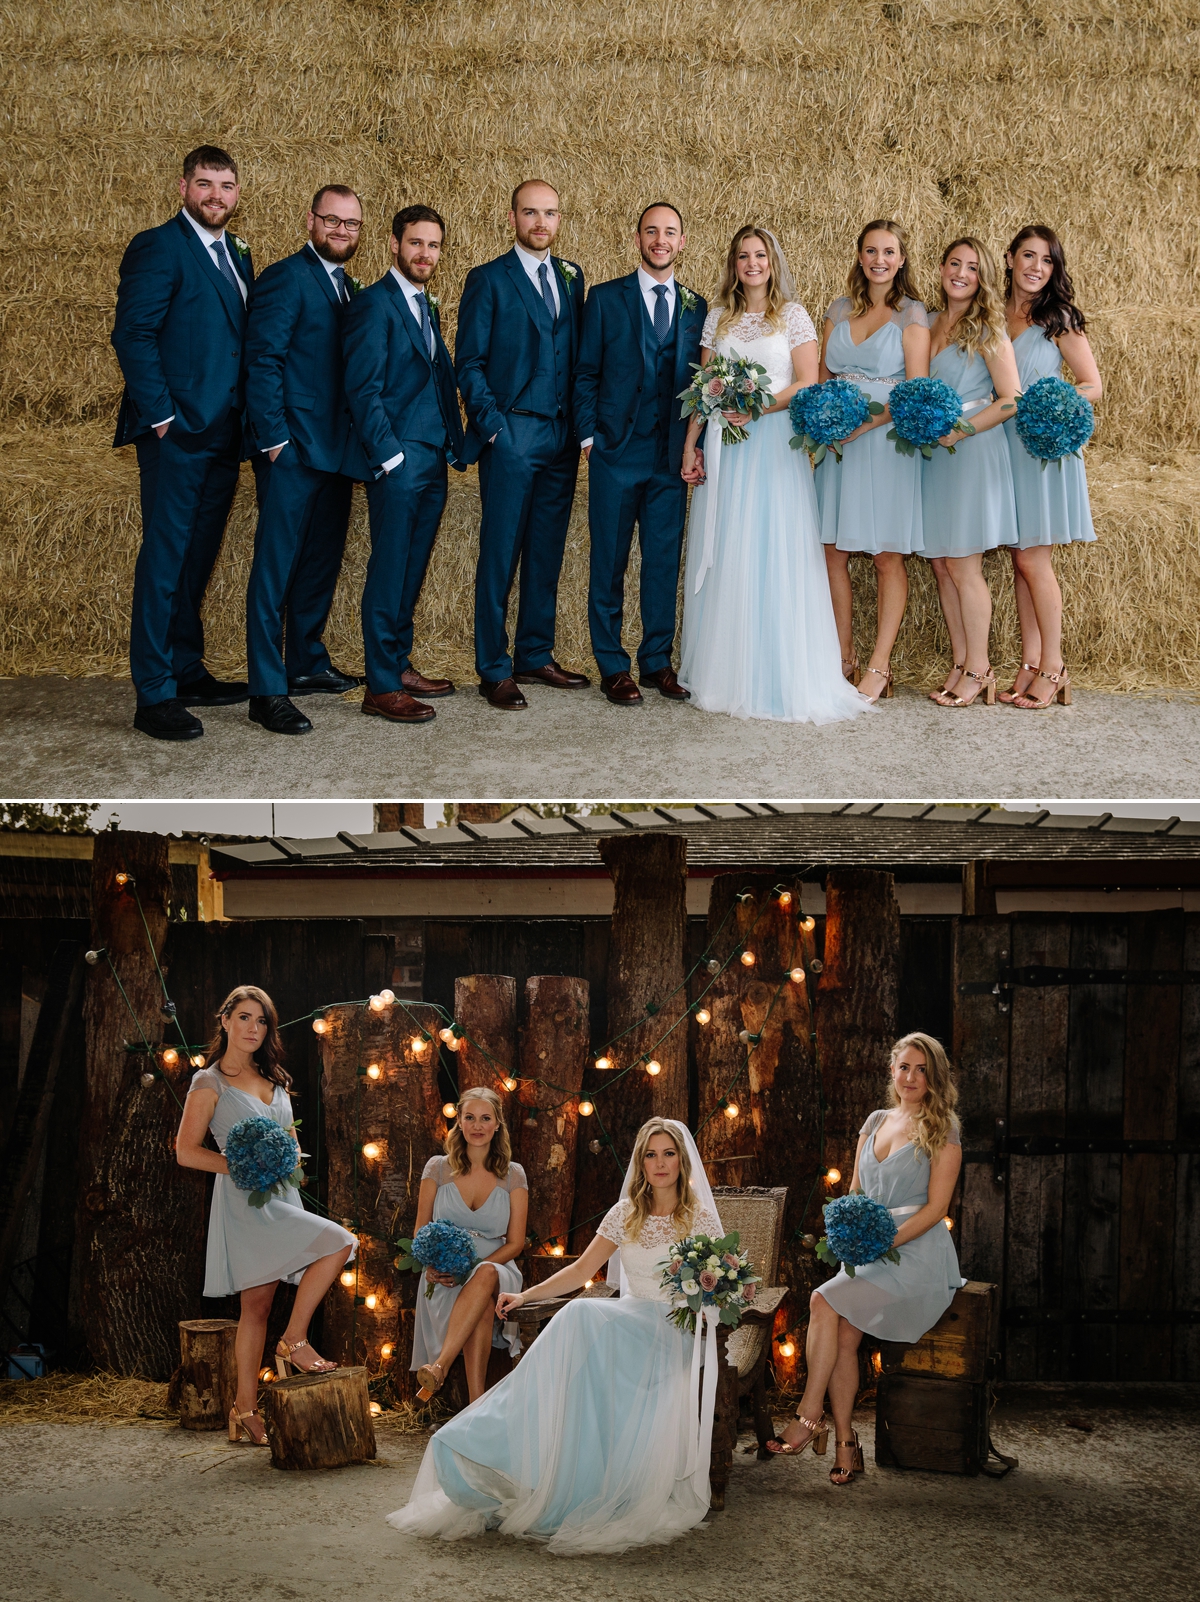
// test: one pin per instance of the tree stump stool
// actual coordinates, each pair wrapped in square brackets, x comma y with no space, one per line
[205,1383]
[317,1421]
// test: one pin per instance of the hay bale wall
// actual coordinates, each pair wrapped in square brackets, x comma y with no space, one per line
[959,116]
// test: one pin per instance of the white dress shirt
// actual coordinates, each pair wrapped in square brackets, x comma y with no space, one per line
[330,267]
[648,285]
[531,264]
[412,294]
[208,241]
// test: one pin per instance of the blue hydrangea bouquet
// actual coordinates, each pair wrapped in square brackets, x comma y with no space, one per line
[730,383]
[704,1272]
[823,414]
[263,1158]
[445,1247]
[1054,420]
[923,410]
[858,1230]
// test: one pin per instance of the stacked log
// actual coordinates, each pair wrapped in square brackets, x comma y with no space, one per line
[554,1048]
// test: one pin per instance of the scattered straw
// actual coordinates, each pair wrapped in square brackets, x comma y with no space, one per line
[103,1398]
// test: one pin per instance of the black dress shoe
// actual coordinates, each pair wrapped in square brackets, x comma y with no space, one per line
[503,694]
[167,720]
[551,673]
[207,691]
[276,713]
[330,681]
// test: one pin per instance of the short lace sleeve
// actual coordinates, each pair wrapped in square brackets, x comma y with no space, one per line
[612,1225]
[708,334]
[515,1178]
[839,311]
[436,1169]
[872,1123]
[206,1079]
[800,330]
[909,314]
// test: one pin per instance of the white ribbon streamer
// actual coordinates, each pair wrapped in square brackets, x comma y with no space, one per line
[712,471]
[704,1353]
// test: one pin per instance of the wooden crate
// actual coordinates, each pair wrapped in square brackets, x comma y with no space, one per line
[959,1345]
[934,1424]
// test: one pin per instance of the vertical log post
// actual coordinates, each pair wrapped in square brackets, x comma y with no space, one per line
[399,1114]
[141,1216]
[645,964]
[554,1047]
[485,1004]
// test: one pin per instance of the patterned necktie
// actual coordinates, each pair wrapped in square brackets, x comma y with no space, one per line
[339,278]
[224,265]
[662,317]
[426,325]
[547,292]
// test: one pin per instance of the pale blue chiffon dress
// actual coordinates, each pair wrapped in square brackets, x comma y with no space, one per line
[898,1301]
[871,501]
[256,1245]
[1052,502]
[967,501]
[488,1228]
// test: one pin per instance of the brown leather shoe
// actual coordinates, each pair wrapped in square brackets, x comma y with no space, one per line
[621,690]
[554,675]
[397,707]
[503,694]
[666,683]
[417,684]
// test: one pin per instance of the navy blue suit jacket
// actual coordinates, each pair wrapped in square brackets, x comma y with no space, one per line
[496,346]
[614,364]
[294,362]
[386,366]
[178,333]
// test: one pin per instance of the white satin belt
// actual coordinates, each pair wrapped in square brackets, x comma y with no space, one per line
[706,1341]
[903,1212]
[976,405]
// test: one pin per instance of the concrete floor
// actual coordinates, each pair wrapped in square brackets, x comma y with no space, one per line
[103,1514]
[63,738]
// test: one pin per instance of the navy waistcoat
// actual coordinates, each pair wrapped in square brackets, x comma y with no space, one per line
[654,412]
[548,390]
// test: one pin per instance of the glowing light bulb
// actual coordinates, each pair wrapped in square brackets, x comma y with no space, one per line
[374,1071]
[510,1083]
[376,1409]
[587,1284]
[122,880]
[586,1109]
[449,1110]
[557,1251]
[170,1056]
[418,1046]
[446,1034]
[603,1064]
[949,1223]
[653,1068]
[833,1175]
[787,1348]
[372,1301]
[454,1043]
[386,1349]
[371,1151]
[748,959]
[388,997]
[877,1362]
[703,1016]
[732,1110]
[377,1004]
[320,1027]
[347,1278]
[797,976]
[808,924]
[198,1059]
[785,898]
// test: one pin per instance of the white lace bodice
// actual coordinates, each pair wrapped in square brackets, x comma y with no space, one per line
[752,336]
[643,1260]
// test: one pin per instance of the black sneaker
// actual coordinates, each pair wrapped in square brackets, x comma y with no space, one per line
[276,713]
[167,720]
[207,691]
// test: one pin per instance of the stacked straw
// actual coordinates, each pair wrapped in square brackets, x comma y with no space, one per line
[956,117]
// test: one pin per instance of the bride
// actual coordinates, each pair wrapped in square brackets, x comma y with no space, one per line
[759,638]
[598,1440]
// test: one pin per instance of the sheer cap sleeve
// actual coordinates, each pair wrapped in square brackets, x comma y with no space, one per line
[436,1169]
[206,1079]
[839,311]
[873,1120]
[612,1225]
[709,332]
[910,313]
[800,330]
[954,1138]
[515,1178]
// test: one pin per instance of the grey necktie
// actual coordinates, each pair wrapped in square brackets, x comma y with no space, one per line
[426,325]
[662,317]
[339,278]
[224,265]
[547,292]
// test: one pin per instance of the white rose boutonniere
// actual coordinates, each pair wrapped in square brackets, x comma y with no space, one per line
[432,301]
[688,298]
[355,285]
[567,273]
[239,244]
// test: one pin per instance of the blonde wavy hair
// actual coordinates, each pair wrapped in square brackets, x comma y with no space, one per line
[642,1197]
[981,327]
[499,1151]
[731,297]
[902,285]
[935,1118]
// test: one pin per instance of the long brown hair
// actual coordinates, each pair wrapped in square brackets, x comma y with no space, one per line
[731,297]
[499,1153]
[902,286]
[268,1059]
[935,1118]
[981,327]
[641,1196]
[1053,308]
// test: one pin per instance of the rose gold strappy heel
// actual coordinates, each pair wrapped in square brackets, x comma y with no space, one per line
[1009,696]
[1060,691]
[845,1476]
[431,1379]
[284,1360]
[886,693]
[817,1438]
[239,1431]
[934,695]
[985,685]
[850,669]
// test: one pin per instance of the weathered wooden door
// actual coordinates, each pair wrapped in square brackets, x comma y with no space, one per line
[1077,1039]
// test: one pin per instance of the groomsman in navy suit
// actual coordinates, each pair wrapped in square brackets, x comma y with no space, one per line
[518,336]
[399,382]
[301,425]
[178,335]
[639,335]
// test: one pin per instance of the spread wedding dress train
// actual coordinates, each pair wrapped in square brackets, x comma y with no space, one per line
[600,1438]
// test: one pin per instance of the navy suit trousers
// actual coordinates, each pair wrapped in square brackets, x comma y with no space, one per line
[298,547]
[636,486]
[526,485]
[406,508]
[188,482]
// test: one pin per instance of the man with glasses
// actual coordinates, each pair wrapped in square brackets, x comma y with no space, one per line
[301,425]
[178,335]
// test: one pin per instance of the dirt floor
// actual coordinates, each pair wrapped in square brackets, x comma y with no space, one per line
[93,1512]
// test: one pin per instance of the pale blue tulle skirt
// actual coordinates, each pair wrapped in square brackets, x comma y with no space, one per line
[1052,503]
[967,501]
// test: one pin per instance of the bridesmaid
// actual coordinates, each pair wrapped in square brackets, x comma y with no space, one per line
[1047,329]
[967,504]
[478,1186]
[250,1249]
[871,503]
[908,1158]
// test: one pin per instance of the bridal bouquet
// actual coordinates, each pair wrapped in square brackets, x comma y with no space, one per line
[263,1158]
[445,1247]
[1054,420]
[730,383]
[858,1230]
[923,410]
[823,414]
[704,1272]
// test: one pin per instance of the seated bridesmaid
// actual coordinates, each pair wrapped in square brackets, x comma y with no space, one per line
[908,1158]
[967,500]
[1047,329]
[477,1186]
[250,1249]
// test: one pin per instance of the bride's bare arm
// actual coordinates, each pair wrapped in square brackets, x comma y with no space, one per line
[564,1282]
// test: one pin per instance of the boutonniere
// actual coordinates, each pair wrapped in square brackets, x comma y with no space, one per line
[688,298]
[432,301]
[567,273]
[356,284]
[239,244]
